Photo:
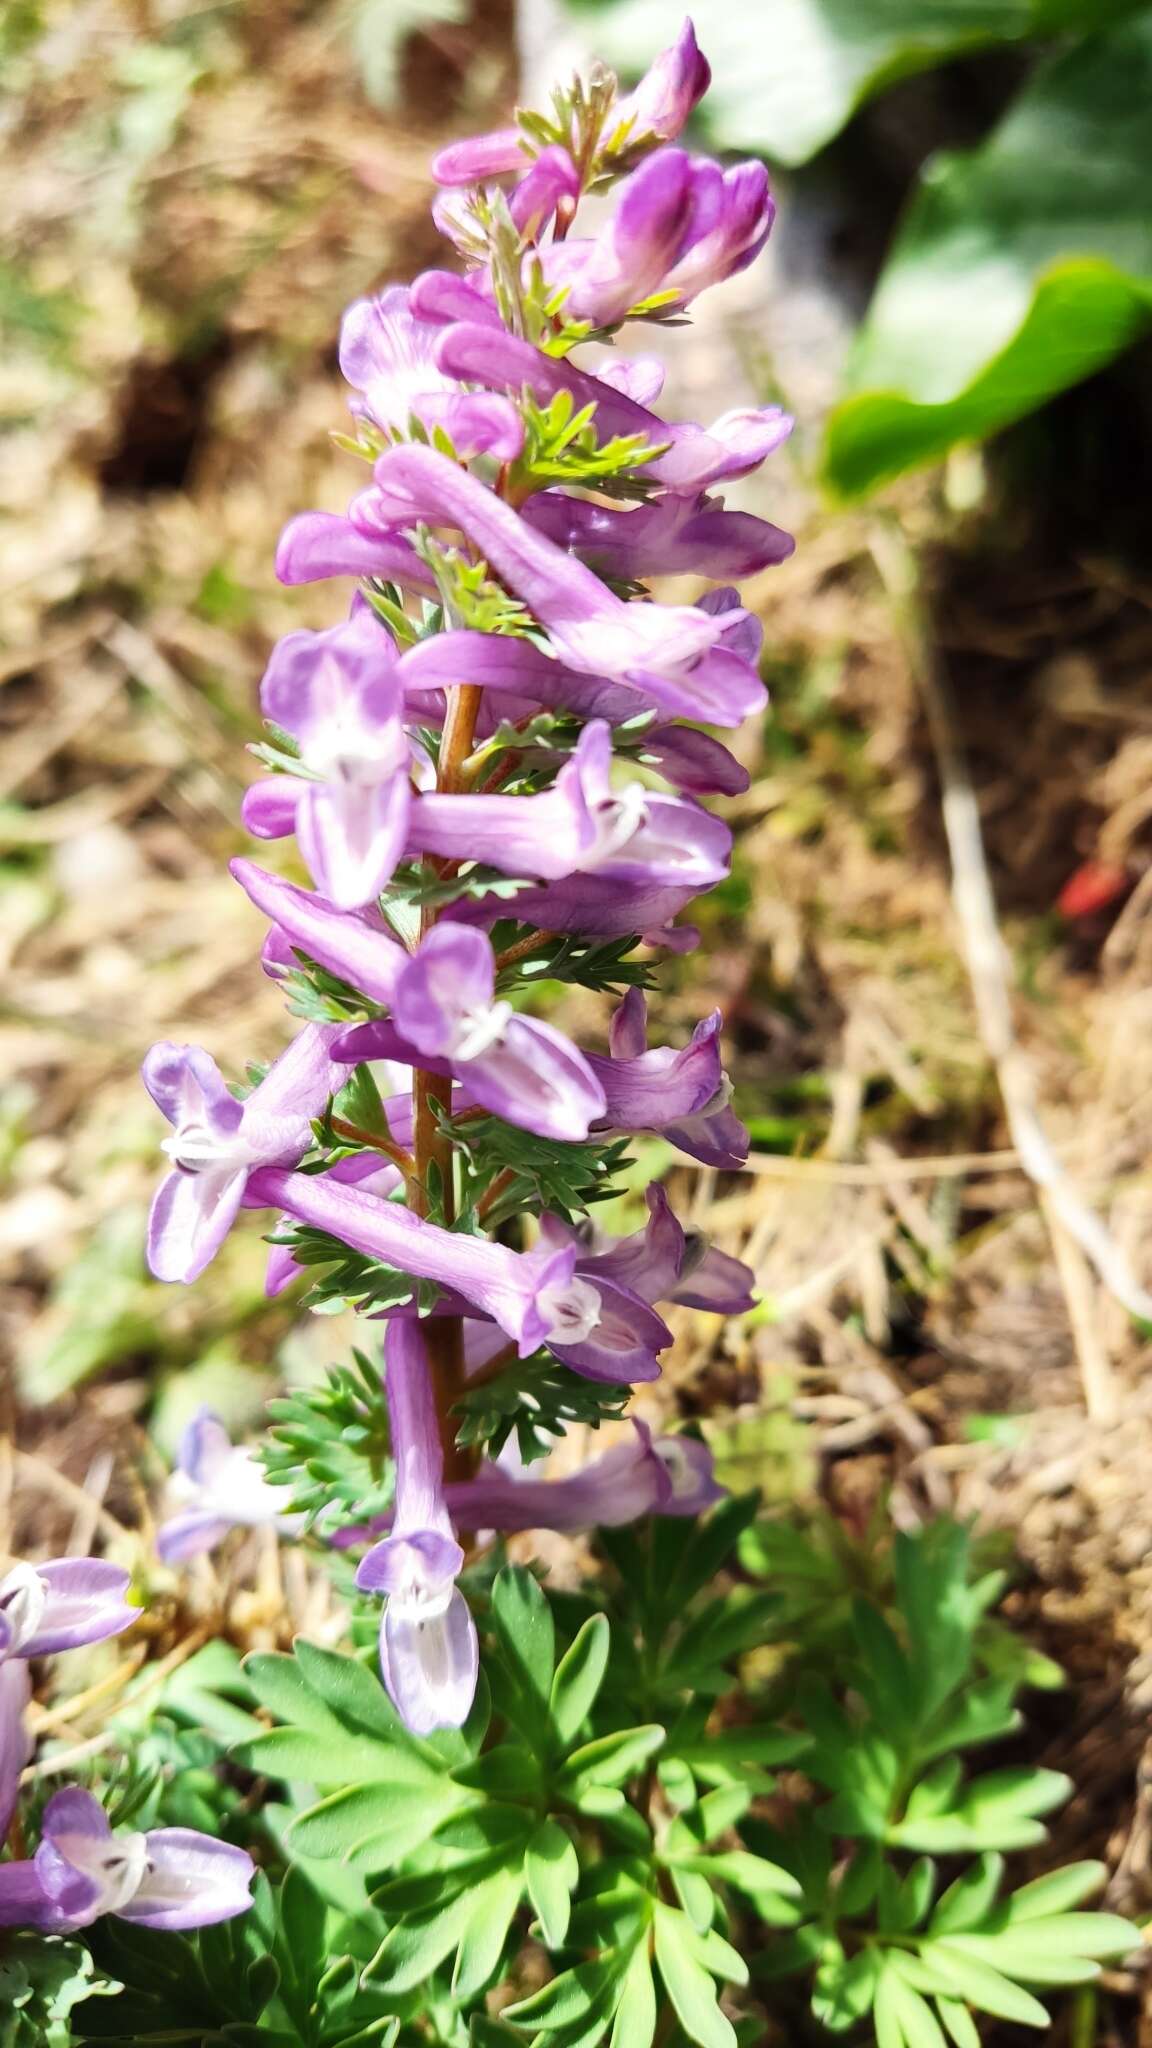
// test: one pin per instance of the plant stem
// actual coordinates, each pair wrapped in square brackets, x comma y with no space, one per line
[432,1103]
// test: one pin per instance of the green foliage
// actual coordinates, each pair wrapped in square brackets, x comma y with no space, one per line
[535,1173]
[42,1982]
[1019,269]
[561,446]
[538,1398]
[328,1446]
[286,1975]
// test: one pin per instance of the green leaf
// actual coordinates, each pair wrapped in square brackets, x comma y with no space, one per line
[688,1983]
[579,1676]
[1020,269]
[551,1870]
[524,1625]
[373,1826]
[610,1759]
[572,1997]
[491,1907]
[968,1901]
[635,2023]
[958,2023]
[1057,1892]
[983,1986]
[903,2018]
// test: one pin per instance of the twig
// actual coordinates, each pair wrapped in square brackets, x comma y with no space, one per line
[1065,1210]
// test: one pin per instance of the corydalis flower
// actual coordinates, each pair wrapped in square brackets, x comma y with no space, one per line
[447,1020]
[445,1014]
[216,1486]
[61,1605]
[428,1649]
[338,694]
[683,1095]
[642,1475]
[387,355]
[169,1878]
[218,1142]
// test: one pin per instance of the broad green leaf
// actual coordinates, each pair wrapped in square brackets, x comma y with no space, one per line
[635,2023]
[412,1949]
[373,1826]
[551,1870]
[1057,1892]
[341,1759]
[968,1901]
[524,1624]
[843,1990]
[902,2017]
[350,1689]
[490,1910]
[579,1676]
[1020,269]
[569,1999]
[983,1986]
[958,2023]
[689,1985]
[611,1759]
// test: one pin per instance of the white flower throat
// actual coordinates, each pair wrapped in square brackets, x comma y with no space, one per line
[23,1598]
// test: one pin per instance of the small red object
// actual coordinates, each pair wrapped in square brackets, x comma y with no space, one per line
[1092,887]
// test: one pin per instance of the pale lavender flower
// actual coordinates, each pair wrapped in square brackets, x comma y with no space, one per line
[386,355]
[217,1486]
[680,224]
[445,1018]
[353,944]
[479,157]
[674,83]
[683,1095]
[723,687]
[338,694]
[318,544]
[218,1141]
[359,1169]
[61,1605]
[662,1262]
[169,1878]
[693,761]
[670,534]
[429,1654]
[641,1475]
[582,826]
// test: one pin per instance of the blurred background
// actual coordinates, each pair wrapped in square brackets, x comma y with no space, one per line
[948,1198]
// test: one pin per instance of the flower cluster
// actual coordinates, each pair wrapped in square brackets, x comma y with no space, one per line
[493,769]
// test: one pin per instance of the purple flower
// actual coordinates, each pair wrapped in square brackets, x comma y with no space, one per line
[339,696]
[318,544]
[446,1019]
[353,944]
[386,354]
[218,1142]
[15,1741]
[642,1475]
[530,1294]
[694,456]
[481,156]
[669,535]
[553,181]
[673,84]
[61,1605]
[359,1169]
[722,686]
[428,1650]
[693,761]
[582,826]
[217,1486]
[662,1262]
[684,1095]
[169,1878]
[680,224]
